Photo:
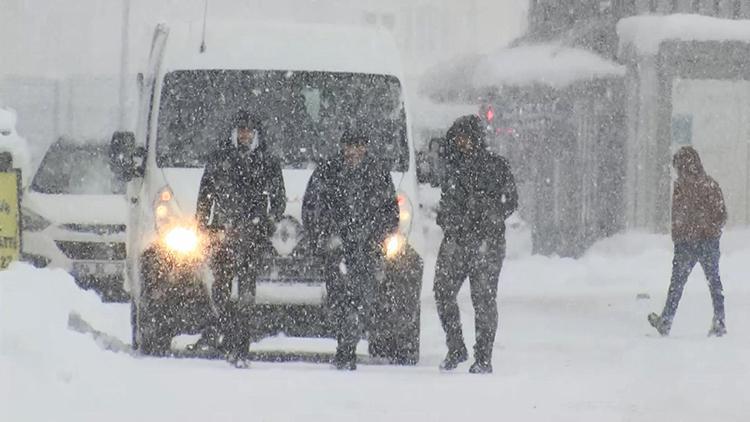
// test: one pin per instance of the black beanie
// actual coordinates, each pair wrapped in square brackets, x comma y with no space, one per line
[245,119]
[354,137]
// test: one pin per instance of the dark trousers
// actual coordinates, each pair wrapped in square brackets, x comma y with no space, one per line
[240,256]
[686,255]
[481,262]
[351,296]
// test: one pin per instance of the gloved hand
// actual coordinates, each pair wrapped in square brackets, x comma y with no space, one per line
[270,226]
[262,226]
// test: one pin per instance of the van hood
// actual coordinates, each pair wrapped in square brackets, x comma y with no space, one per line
[185,184]
[77,209]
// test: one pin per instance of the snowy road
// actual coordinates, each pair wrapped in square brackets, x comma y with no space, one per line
[574,345]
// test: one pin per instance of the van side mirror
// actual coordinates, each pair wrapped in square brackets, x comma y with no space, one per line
[139,80]
[125,159]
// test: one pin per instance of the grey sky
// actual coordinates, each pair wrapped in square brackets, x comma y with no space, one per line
[63,37]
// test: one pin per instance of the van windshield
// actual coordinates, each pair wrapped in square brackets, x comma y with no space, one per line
[303,113]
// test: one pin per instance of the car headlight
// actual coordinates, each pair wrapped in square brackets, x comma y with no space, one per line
[394,245]
[182,240]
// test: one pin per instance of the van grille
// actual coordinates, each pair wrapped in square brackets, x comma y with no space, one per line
[101,229]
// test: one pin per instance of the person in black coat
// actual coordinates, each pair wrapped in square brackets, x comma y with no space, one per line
[350,200]
[478,195]
[241,196]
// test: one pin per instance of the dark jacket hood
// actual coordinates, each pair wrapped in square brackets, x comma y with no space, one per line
[469,126]
[246,119]
[687,162]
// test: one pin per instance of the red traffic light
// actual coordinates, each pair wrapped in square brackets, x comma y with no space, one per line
[490,113]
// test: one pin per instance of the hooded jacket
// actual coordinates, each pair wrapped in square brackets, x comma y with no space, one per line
[698,209]
[241,187]
[478,190]
[358,204]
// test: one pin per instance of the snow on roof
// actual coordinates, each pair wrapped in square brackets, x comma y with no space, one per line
[7,120]
[544,64]
[284,46]
[646,33]
[11,142]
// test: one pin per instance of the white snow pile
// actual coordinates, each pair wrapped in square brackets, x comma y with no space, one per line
[573,345]
[545,64]
[646,33]
[11,141]
[551,65]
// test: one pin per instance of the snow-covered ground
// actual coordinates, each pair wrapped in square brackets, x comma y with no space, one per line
[573,345]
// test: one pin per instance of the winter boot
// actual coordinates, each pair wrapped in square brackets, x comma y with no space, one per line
[238,359]
[453,358]
[481,367]
[659,323]
[718,328]
[209,342]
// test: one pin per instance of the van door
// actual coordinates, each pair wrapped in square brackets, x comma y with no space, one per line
[147,95]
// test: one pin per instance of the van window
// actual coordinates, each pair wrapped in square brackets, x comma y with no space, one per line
[303,113]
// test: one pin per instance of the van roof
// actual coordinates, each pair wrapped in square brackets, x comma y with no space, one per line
[278,46]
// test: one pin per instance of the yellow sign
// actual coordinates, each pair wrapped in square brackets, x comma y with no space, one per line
[10,218]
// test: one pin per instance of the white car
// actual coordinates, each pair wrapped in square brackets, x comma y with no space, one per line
[74,217]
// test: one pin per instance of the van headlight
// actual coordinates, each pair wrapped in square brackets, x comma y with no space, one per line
[394,245]
[165,208]
[405,212]
[178,236]
[182,240]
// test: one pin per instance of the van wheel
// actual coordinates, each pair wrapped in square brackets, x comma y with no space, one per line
[147,337]
[133,326]
[396,334]
[150,336]
[398,347]
[406,351]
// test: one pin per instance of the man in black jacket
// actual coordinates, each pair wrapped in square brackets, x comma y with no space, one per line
[478,194]
[242,195]
[351,199]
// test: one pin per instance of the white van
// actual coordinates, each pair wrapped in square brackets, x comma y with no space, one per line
[308,83]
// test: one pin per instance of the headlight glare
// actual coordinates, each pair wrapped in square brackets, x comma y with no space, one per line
[182,240]
[394,245]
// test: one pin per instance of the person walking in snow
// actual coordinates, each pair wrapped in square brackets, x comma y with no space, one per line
[698,216]
[478,195]
[242,194]
[350,201]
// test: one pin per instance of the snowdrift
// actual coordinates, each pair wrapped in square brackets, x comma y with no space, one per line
[573,345]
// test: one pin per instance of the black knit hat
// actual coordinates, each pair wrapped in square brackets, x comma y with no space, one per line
[246,120]
[469,126]
[354,137]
